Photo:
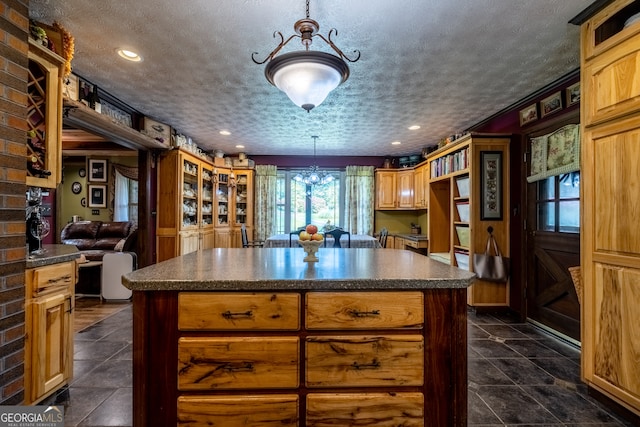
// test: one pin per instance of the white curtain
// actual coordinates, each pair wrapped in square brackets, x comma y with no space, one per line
[266,202]
[359,199]
[121,198]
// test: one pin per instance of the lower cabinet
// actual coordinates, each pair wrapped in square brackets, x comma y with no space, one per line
[49,329]
[303,358]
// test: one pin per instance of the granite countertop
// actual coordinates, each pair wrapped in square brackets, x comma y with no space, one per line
[283,269]
[53,254]
[417,237]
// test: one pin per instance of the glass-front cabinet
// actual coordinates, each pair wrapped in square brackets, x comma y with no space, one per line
[188,204]
[234,203]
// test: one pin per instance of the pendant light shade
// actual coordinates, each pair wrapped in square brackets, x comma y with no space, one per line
[307,77]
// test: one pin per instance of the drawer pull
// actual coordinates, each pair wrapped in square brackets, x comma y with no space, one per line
[229,315]
[64,278]
[238,367]
[356,313]
[375,364]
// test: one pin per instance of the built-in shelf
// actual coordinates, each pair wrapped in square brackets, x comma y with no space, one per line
[78,115]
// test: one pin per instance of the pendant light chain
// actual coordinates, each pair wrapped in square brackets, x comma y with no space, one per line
[307,9]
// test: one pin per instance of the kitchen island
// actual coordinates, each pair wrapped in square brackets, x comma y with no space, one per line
[257,337]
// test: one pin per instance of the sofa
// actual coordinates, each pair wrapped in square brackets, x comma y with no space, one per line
[95,238]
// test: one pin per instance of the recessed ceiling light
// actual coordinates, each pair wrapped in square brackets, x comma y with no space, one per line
[129,55]
[225,132]
[396,143]
[239,146]
[414,127]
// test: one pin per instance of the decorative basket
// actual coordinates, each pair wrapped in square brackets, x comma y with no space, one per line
[576,276]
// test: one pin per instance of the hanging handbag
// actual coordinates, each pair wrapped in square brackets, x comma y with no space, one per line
[492,268]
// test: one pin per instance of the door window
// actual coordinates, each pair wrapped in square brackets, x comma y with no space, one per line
[558,203]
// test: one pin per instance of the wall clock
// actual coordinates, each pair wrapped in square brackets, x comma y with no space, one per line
[82,172]
[76,187]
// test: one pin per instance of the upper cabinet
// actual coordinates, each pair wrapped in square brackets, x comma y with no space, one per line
[44,117]
[234,204]
[610,177]
[402,189]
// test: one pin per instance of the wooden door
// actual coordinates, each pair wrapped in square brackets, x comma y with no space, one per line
[386,190]
[553,245]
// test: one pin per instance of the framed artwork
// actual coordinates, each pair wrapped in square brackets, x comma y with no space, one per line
[82,172]
[97,170]
[529,114]
[97,196]
[573,94]
[551,104]
[491,185]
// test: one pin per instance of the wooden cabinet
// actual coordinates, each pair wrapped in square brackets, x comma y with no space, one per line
[49,329]
[187,204]
[311,358]
[395,189]
[457,225]
[610,240]
[421,186]
[44,117]
[234,202]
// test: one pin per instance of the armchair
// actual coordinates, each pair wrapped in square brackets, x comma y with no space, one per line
[295,233]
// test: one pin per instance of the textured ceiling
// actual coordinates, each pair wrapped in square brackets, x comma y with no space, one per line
[442,64]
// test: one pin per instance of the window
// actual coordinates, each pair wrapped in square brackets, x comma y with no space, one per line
[125,199]
[558,203]
[299,204]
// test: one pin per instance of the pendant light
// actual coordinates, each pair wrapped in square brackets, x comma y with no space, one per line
[306,76]
[313,175]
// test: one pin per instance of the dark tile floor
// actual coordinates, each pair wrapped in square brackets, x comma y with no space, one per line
[518,376]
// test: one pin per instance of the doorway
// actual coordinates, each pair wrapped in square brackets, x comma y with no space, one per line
[552,246]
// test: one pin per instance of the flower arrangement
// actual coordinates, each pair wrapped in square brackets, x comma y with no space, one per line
[68,47]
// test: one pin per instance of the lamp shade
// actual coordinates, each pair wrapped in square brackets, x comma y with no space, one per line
[307,77]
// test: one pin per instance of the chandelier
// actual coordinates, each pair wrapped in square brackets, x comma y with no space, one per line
[313,175]
[306,76]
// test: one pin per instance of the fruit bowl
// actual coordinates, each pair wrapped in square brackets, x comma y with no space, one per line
[310,247]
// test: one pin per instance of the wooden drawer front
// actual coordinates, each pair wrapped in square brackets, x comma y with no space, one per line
[364,310]
[613,83]
[364,361]
[231,311]
[51,276]
[365,409]
[238,411]
[234,363]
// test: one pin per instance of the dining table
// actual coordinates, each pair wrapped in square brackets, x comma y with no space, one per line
[357,241]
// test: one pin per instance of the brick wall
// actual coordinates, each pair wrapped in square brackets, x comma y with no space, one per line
[14,32]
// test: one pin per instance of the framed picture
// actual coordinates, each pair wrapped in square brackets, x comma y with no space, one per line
[573,94]
[97,170]
[529,114]
[156,130]
[76,187]
[491,185]
[97,196]
[551,104]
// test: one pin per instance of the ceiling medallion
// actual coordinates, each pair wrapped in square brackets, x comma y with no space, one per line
[306,76]
[313,175]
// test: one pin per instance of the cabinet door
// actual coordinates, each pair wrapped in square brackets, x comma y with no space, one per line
[206,196]
[44,117]
[207,240]
[52,343]
[222,238]
[243,199]
[386,190]
[420,177]
[190,194]
[405,189]
[222,196]
[189,242]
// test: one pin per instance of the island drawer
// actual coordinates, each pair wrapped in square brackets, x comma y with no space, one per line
[364,361]
[227,411]
[238,311]
[48,278]
[364,310]
[237,363]
[385,409]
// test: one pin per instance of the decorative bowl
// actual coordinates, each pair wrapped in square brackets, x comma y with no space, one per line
[310,247]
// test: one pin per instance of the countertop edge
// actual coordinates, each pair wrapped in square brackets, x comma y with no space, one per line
[55,254]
